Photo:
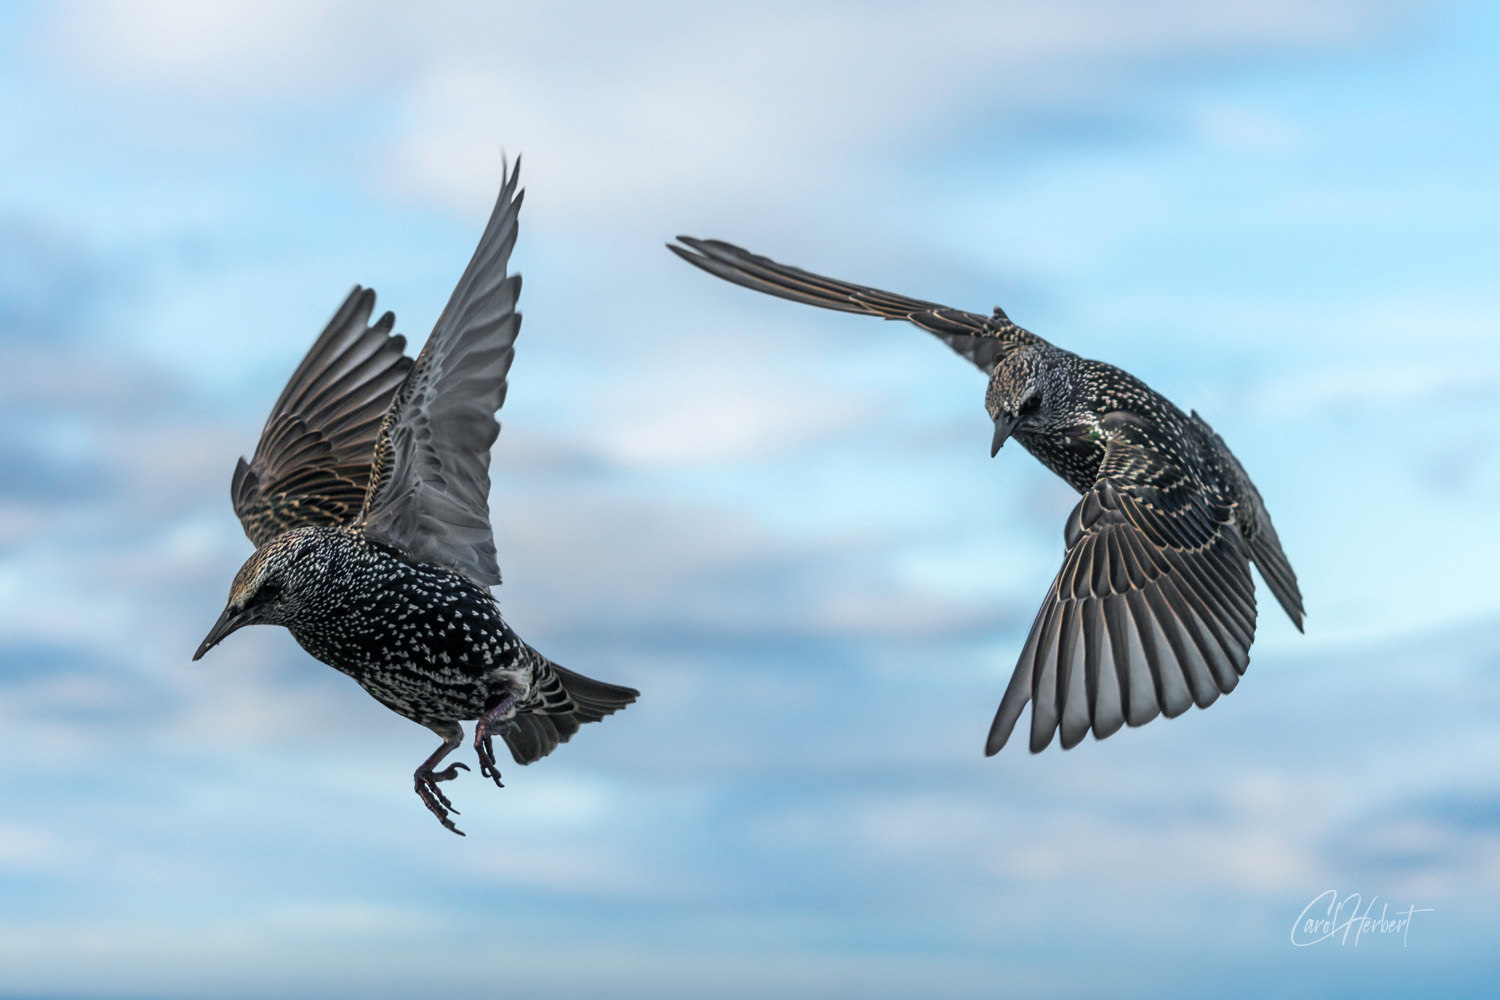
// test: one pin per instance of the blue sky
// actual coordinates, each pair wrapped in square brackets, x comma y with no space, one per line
[782,525]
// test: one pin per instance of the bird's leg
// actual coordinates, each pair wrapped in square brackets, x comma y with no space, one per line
[426,779]
[483,745]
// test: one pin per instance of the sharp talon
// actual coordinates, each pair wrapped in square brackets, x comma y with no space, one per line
[484,746]
[448,824]
[486,750]
[447,774]
[425,782]
[436,802]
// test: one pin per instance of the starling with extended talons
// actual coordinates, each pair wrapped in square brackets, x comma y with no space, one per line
[368,503]
[1154,609]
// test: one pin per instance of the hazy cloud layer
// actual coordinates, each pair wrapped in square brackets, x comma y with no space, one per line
[782,526]
[702,101]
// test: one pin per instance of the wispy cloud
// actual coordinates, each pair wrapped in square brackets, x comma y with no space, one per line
[702,102]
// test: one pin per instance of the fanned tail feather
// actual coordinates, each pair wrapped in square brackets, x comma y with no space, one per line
[564,701]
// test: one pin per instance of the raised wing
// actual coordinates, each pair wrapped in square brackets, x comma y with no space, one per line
[984,340]
[312,465]
[429,490]
[1153,611]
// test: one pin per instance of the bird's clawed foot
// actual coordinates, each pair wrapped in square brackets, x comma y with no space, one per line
[426,782]
[448,774]
[426,779]
[485,747]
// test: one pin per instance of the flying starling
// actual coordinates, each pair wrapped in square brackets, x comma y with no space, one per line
[1154,608]
[368,503]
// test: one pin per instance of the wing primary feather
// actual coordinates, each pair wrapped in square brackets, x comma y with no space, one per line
[1018,691]
[1176,696]
[1224,609]
[1044,682]
[1077,695]
[1214,661]
[1166,645]
[1079,711]
[429,486]
[312,462]
[1069,655]
[983,340]
[1124,657]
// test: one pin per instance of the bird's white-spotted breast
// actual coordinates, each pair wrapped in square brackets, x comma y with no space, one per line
[424,641]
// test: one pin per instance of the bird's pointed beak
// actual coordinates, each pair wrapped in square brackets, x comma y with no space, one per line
[227,623]
[1004,424]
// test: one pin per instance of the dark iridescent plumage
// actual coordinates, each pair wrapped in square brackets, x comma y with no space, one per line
[1154,608]
[367,500]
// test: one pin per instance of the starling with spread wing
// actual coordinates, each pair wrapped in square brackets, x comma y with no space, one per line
[368,503]
[1154,608]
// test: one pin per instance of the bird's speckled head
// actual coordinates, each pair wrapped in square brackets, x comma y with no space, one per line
[1018,396]
[274,584]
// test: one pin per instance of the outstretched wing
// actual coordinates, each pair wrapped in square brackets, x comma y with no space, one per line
[312,465]
[984,340]
[429,490]
[1153,611]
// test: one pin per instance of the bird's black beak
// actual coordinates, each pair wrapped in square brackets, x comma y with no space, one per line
[227,623]
[1004,424]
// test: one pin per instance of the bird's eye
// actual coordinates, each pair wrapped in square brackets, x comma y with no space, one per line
[1032,404]
[268,591]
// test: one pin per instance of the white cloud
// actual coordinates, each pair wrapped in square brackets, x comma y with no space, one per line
[687,420]
[23,847]
[1249,129]
[1392,386]
[669,100]
[251,48]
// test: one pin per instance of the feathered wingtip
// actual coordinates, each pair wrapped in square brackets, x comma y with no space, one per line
[510,173]
[983,340]
[510,194]
[429,494]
